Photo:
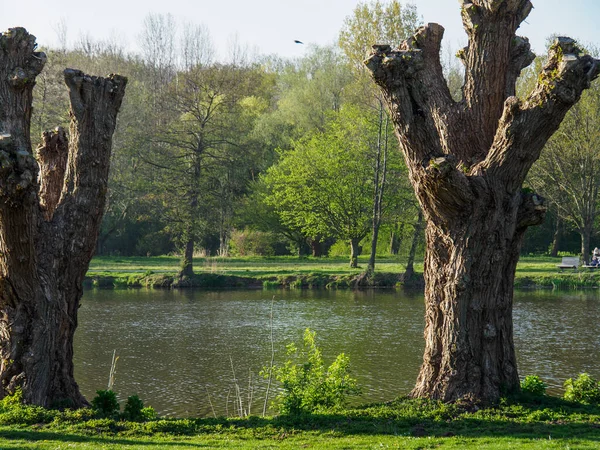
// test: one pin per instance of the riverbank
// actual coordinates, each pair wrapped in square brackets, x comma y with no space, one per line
[292,272]
[547,422]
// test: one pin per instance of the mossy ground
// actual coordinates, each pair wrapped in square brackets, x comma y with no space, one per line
[525,423]
[267,272]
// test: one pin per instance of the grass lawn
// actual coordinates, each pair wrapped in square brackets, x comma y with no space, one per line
[547,423]
[126,271]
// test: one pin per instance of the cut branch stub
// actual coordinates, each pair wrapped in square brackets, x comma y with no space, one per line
[95,102]
[415,90]
[19,65]
[52,158]
[524,129]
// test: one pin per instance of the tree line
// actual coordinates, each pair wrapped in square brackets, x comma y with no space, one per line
[261,155]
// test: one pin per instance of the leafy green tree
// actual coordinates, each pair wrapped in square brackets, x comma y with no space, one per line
[372,23]
[376,22]
[324,184]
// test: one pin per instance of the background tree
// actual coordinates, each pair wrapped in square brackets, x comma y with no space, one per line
[371,23]
[467,162]
[46,245]
[324,184]
[568,172]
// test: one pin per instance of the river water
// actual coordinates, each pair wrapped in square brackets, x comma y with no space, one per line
[179,350]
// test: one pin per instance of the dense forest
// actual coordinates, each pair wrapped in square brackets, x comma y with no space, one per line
[259,155]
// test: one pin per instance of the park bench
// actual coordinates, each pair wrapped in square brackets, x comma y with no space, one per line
[569,262]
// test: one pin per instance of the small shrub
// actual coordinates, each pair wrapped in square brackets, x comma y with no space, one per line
[148,413]
[307,385]
[533,385]
[584,389]
[133,409]
[105,403]
[14,412]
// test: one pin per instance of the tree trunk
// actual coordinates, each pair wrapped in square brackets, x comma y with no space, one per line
[354,252]
[187,265]
[316,246]
[396,238]
[557,238]
[467,161]
[586,238]
[48,230]
[379,184]
[410,269]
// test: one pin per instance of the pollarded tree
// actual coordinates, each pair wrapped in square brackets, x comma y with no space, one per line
[467,161]
[48,226]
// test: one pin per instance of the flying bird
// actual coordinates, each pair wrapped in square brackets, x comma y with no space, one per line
[298,42]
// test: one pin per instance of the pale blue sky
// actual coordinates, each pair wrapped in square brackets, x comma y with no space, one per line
[271,26]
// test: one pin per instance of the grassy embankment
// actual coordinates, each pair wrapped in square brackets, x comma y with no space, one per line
[256,272]
[547,423]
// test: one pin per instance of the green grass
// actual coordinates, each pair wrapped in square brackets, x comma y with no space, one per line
[547,423]
[291,271]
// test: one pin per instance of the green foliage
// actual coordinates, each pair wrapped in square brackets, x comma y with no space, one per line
[133,409]
[376,22]
[256,243]
[13,411]
[106,403]
[307,385]
[584,389]
[533,385]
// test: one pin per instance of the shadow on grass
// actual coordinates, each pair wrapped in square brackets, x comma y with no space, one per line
[32,436]
[527,419]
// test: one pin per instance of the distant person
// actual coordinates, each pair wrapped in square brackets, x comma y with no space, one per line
[596,252]
[595,261]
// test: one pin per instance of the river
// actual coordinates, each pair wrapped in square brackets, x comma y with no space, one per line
[176,348]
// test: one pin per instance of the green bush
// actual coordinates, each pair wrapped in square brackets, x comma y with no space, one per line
[135,411]
[14,412]
[584,389]
[307,385]
[105,403]
[256,243]
[533,385]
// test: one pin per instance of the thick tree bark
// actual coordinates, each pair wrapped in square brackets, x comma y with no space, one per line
[48,229]
[467,161]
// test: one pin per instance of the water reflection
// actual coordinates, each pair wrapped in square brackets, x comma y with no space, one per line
[175,347]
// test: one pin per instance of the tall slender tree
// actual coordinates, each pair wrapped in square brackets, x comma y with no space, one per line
[467,162]
[48,229]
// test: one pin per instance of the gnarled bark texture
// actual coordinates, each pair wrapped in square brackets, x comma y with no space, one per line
[467,161]
[48,224]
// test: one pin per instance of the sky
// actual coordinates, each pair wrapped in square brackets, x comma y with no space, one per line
[271,26]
